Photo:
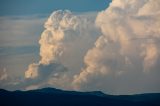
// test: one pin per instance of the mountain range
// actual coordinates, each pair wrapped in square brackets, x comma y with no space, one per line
[57,97]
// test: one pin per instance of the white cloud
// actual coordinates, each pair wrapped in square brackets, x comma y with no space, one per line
[63,44]
[121,53]
[52,38]
[3,74]
[151,55]
[128,27]
[32,71]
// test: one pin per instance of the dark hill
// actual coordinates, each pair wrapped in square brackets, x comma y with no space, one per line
[56,97]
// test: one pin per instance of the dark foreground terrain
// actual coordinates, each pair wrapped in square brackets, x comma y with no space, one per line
[55,97]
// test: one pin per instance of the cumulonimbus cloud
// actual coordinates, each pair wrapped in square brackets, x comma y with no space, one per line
[124,45]
[51,42]
[129,43]
[65,34]
[52,46]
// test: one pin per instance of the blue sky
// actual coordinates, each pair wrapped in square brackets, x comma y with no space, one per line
[30,7]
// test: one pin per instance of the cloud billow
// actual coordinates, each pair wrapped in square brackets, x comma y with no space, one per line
[116,51]
[59,42]
[128,48]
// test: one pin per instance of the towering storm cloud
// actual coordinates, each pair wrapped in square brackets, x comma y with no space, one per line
[65,39]
[52,38]
[116,50]
[129,47]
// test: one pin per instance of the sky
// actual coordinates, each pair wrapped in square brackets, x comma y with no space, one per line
[31,7]
[85,45]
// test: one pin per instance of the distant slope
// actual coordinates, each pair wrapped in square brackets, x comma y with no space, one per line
[56,97]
